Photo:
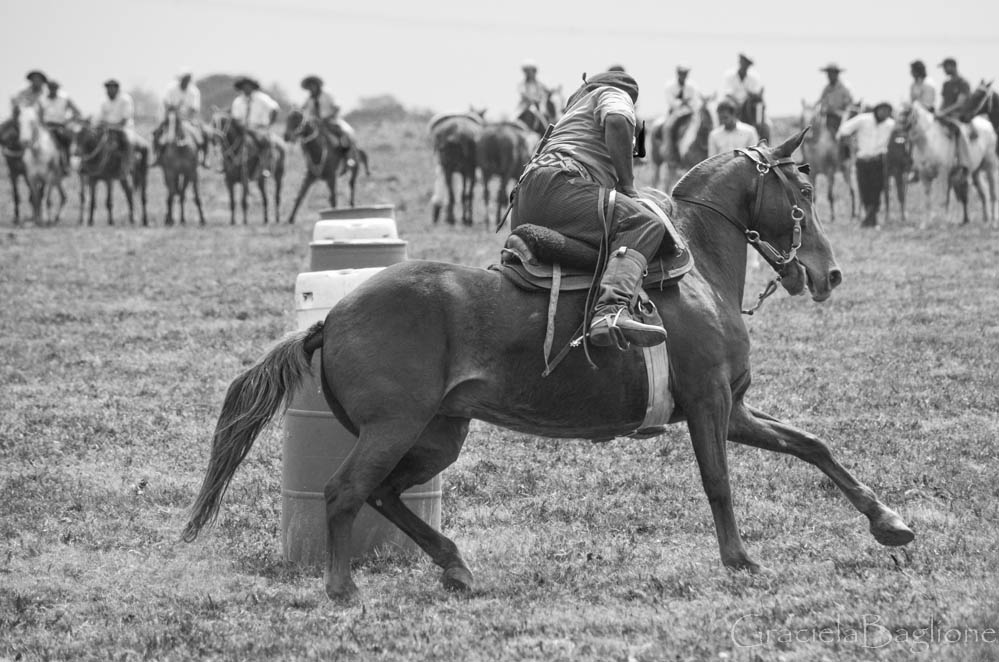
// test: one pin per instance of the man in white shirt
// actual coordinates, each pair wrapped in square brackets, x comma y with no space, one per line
[185,96]
[33,93]
[873,132]
[57,109]
[256,112]
[730,134]
[742,82]
[118,113]
[319,106]
[682,100]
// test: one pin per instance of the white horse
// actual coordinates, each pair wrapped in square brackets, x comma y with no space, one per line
[934,152]
[824,155]
[42,164]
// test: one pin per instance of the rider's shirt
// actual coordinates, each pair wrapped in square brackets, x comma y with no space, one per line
[254,111]
[118,111]
[741,136]
[186,101]
[27,97]
[872,136]
[740,88]
[682,96]
[951,92]
[55,110]
[579,134]
[321,107]
[532,92]
[925,92]
[835,98]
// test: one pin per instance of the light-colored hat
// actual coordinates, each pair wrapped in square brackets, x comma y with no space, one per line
[529,64]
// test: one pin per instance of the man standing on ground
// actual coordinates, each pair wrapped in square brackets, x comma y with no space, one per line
[873,131]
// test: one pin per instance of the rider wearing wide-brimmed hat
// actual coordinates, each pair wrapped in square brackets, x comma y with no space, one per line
[57,110]
[32,94]
[319,106]
[532,92]
[117,113]
[589,152]
[184,95]
[836,97]
[255,111]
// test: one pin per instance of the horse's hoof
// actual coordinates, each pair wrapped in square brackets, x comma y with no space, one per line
[343,595]
[457,579]
[891,531]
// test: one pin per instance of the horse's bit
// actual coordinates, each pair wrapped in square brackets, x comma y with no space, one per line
[778,260]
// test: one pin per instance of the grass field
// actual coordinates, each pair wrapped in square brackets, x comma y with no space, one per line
[118,344]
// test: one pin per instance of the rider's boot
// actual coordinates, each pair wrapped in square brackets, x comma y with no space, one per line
[613,323]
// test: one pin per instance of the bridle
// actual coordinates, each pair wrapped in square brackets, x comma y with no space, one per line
[778,260]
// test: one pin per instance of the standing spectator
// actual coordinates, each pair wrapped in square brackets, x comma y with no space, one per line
[730,134]
[873,131]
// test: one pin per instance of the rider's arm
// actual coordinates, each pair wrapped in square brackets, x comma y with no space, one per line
[619,133]
[74,112]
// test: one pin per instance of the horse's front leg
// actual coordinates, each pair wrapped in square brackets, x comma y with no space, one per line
[126,185]
[302,190]
[708,423]
[17,195]
[755,428]
[262,185]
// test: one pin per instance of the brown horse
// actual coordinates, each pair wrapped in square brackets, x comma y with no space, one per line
[324,159]
[826,156]
[242,164]
[502,152]
[179,160]
[102,151]
[454,139]
[898,165]
[413,354]
[13,155]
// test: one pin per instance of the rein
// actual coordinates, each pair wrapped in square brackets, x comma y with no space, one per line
[777,259]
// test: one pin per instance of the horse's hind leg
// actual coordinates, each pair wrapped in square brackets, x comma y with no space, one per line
[262,185]
[182,195]
[126,185]
[381,446]
[437,449]
[754,428]
[197,196]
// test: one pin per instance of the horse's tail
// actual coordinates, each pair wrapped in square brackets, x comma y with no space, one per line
[251,402]
[362,157]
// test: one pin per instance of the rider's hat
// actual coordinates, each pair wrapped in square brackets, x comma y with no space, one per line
[948,60]
[745,58]
[35,73]
[529,64]
[832,66]
[112,82]
[726,104]
[309,81]
[882,104]
[682,69]
[243,81]
[52,83]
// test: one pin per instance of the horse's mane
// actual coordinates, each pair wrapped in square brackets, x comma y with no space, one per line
[690,177]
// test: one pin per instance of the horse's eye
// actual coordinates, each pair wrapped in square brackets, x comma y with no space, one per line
[807,192]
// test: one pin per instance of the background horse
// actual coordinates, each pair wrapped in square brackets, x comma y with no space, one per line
[102,152]
[454,139]
[325,158]
[13,153]
[179,160]
[934,152]
[898,165]
[537,117]
[241,163]
[421,348]
[44,168]
[689,144]
[984,101]
[502,152]
[826,156]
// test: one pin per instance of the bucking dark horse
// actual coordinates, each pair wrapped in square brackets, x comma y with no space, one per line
[410,356]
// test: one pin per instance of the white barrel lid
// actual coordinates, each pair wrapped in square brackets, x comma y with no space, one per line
[355,228]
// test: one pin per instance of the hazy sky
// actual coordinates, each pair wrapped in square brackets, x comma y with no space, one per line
[447,55]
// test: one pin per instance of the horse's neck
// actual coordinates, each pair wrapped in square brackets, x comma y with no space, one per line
[719,250]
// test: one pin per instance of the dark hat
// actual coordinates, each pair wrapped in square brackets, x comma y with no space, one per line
[745,58]
[726,104]
[882,104]
[311,80]
[51,82]
[615,67]
[948,60]
[242,81]
[35,73]
[682,69]
[918,65]
[529,64]
[832,66]
[112,82]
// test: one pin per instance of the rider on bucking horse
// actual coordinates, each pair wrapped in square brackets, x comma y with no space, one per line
[256,112]
[320,107]
[185,97]
[588,153]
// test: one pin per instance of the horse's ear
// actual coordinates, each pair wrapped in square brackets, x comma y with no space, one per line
[786,148]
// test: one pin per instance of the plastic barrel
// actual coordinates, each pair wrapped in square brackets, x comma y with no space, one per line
[357,254]
[368,211]
[315,444]
[353,229]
